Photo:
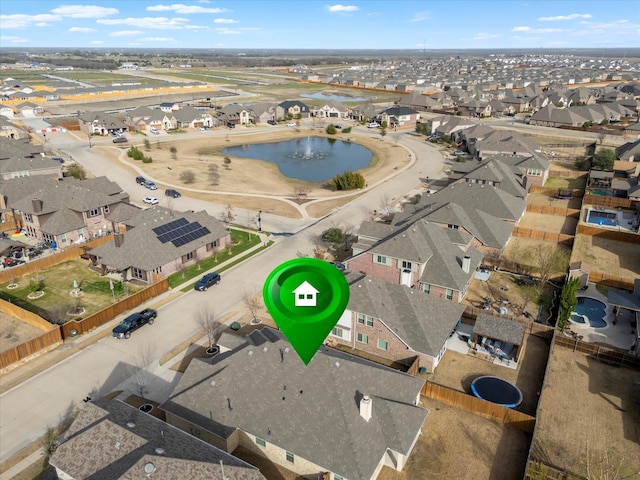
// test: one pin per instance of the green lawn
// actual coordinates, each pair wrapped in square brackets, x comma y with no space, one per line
[241,241]
[57,284]
[558,182]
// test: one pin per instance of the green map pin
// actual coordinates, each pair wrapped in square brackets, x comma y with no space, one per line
[306,297]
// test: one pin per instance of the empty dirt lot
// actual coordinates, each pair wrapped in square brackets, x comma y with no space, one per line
[589,414]
[612,257]
[549,223]
[14,332]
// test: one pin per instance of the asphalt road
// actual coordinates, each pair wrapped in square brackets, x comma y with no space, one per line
[28,409]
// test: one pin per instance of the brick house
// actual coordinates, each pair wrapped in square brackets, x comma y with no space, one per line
[286,417]
[423,256]
[395,322]
[292,109]
[162,241]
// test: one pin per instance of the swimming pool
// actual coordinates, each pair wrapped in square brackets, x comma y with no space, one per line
[602,217]
[591,310]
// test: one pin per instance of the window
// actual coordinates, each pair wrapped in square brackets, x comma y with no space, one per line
[261,442]
[188,257]
[426,288]
[406,265]
[289,457]
[381,259]
[365,320]
[158,269]
[362,338]
[369,321]
[490,183]
[337,477]
[534,172]
[27,217]
[382,344]
[361,317]
[47,237]
[137,273]
[63,237]
[105,209]
[472,180]
[337,332]
[449,294]
[94,212]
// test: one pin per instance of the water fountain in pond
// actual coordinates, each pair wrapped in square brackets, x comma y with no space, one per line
[308,153]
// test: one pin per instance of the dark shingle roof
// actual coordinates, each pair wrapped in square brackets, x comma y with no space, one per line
[263,388]
[110,439]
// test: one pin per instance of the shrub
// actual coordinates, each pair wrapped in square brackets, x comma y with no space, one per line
[147,159]
[135,153]
[36,284]
[348,181]
[77,171]
[604,159]
[586,125]
[346,130]
[188,176]
[331,129]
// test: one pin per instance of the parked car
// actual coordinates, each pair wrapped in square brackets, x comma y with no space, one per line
[338,127]
[150,200]
[207,280]
[140,180]
[231,125]
[272,122]
[291,124]
[11,262]
[150,185]
[120,140]
[172,193]
[373,125]
[154,131]
[339,266]
[58,159]
[134,322]
[459,153]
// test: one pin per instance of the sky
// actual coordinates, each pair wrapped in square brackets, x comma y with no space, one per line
[377,24]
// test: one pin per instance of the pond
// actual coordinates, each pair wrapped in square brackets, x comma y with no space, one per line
[335,98]
[312,159]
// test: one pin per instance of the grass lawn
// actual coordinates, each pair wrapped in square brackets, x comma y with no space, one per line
[559,182]
[57,285]
[241,241]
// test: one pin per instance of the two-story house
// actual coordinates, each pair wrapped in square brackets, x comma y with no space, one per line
[331,109]
[395,322]
[290,109]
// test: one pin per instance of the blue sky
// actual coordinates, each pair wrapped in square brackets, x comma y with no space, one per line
[379,24]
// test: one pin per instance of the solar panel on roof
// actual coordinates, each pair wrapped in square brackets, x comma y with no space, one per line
[194,231]
[167,227]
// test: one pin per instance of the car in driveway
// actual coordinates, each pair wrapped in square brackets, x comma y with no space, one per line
[206,281]
[150,185]
[172,193]
[231,125]
[140,180]
[120,140]
[272,122]
[150,200]
[373,125]
[134,322]
[339,266]
[291,124]
[154,131]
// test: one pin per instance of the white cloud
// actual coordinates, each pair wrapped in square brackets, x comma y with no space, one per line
[420,16]
[184,9]
[224,20]
[157,39]
[84,11]
[97,42]
[536,30]
[343,8]
[82,30]
[235,31]
[125,33]
[572,16]
[158,23]
[521,29]
[485,36]
[527,39]
[12,39]
[20,20]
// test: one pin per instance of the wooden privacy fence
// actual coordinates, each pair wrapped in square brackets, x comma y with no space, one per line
[542,235]
[559,211]
[627,237]
[25,315]
[602,201]
[567,174]
[35,345]
[609,355]
[533,328]
[49,261]
[553,191]
[486,409]
[107,314]
[611,280]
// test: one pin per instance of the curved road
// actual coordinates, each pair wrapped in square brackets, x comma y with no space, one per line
[44,400]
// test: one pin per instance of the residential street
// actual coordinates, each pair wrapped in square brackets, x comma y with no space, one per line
[27,410]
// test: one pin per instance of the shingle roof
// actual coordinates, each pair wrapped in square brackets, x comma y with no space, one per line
[23,164]
[422,321]
[311,411]
[499,329]
[10,148]
[141,247]
[110,439]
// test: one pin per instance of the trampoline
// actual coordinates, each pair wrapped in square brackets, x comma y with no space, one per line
[496,390]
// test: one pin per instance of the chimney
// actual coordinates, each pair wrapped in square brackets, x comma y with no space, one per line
[118,238]
[366,407]
[466,264]
[36,204]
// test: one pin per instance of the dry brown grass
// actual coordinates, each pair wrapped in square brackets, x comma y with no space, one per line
[549,223]
[547,201]
[588,412]
[520,250]
[612,257]
[14,332]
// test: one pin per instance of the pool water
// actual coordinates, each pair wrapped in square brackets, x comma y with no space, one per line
[602,218]
[593,309]
[601,191]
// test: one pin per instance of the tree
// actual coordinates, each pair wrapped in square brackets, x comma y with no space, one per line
[188,176]
[209,325]
[50,442]
[174,152]
[586,125]
[301,192]
[547,259]
[147,144]
[227,162]
[77,171]
[348,181]
[604,158]
[253,304]
[140,369]
[335,235]
[386,208]
[214,176]
[568,302]
[228,215]
[331,129]
[383,132]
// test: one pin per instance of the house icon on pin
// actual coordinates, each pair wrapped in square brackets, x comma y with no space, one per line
[305,295]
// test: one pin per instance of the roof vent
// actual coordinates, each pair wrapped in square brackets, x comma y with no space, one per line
[250,352]
[286,349]
[359,285]
[366,407]
[131,424]
[213,383]
[265,349]
[149,468]
[337,364]
[159,451]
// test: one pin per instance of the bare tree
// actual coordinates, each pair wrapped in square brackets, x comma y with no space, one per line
[214,176]
[319,252]
[547,259]
[228,215]
[188,176]
[301,192]
[386,207]
[209,325]
[140,369]
[253,303]
[174,152]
